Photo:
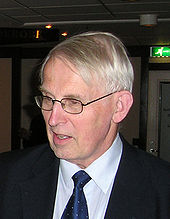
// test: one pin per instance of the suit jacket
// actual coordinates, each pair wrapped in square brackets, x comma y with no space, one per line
[28,182]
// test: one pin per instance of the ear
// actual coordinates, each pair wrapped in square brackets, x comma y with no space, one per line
[122,104]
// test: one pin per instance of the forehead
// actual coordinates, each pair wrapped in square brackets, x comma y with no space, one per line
[62,77]
[58,69]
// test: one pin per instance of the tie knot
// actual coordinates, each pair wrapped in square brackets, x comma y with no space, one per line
[81,178]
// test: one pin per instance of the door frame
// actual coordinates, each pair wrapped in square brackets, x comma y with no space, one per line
[155,78]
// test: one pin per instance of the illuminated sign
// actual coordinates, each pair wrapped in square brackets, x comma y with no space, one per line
[17,35]
[160,52]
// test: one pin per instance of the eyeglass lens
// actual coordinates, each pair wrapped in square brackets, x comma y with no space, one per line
[69,105]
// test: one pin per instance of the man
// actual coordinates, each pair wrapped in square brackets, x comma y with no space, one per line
[86,84]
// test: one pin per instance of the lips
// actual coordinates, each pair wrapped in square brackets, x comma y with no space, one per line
[61,139]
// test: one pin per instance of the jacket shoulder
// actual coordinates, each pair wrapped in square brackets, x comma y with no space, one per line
[17,165]
[142,186]
[154,169]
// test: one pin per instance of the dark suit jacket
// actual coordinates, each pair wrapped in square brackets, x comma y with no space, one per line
[28,182]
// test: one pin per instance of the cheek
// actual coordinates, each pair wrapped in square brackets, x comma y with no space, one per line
[94,125]
[46,116]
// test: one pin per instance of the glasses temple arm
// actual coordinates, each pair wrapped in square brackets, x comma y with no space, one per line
[96,99]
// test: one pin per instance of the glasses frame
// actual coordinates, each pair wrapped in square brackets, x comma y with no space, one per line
[68,98]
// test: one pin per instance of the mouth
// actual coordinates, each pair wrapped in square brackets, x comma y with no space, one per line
[61,138]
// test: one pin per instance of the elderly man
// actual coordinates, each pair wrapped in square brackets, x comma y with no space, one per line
[89,170]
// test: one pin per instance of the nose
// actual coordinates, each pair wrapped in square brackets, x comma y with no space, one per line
[57,116]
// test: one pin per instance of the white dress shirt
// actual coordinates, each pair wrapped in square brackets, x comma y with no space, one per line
[97,190]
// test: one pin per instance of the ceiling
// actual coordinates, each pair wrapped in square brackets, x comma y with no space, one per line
[120,17]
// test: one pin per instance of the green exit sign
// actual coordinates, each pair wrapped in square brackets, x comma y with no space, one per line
[160,51]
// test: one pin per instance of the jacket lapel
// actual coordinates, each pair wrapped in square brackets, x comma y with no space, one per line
[127,182]
[40,189]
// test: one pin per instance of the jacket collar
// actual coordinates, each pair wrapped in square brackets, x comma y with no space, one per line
[40,188]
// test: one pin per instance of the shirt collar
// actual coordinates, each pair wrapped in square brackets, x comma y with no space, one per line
[105,166]
[67,170]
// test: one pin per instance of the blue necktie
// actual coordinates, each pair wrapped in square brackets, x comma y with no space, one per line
[77,207]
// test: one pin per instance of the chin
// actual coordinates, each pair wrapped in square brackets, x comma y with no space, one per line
[60,153]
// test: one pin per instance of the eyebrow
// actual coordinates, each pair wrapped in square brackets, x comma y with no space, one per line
[78,97]
[42,89]
[72,96]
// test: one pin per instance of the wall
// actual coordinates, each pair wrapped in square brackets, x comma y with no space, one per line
[28,68]
[5,104]
[130,126]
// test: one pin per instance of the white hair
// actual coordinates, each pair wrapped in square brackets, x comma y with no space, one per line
[98,55]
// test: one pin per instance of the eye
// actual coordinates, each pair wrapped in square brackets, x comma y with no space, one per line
[73,102]
[47,100]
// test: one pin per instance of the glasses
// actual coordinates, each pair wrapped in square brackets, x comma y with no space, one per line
[69,105]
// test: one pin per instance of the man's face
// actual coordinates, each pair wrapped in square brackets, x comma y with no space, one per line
[77,138]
